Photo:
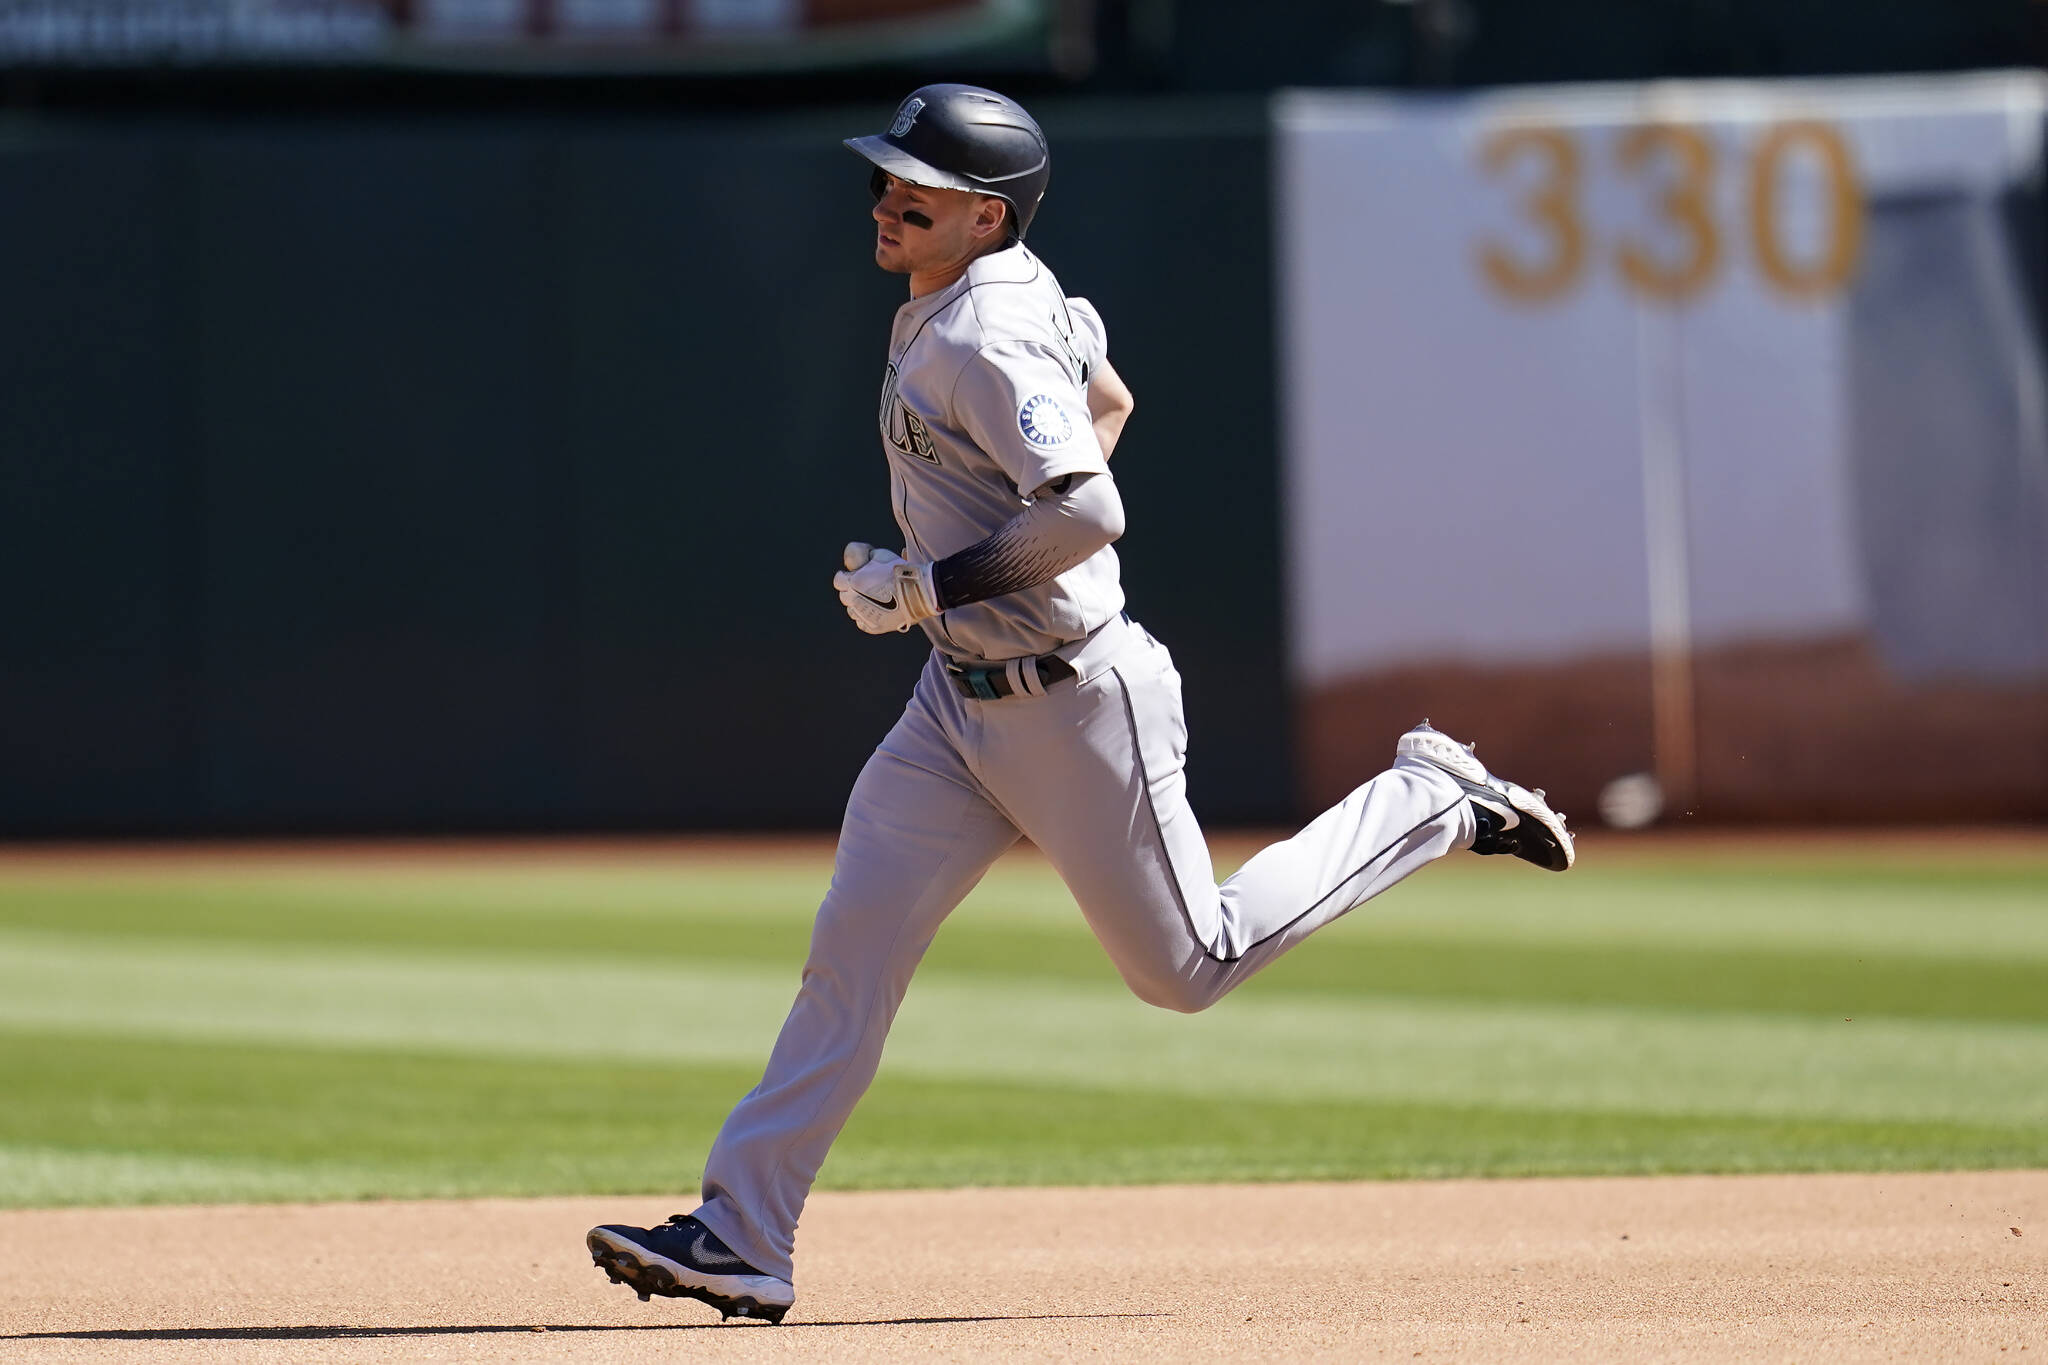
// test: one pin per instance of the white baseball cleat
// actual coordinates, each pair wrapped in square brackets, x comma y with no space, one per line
[1511,819]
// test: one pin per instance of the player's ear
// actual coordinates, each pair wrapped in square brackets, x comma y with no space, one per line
[990,216]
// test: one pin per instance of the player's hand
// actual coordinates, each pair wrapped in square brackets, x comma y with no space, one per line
[884,592]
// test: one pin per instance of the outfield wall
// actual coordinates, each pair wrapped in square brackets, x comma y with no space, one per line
[442,473]
[450,473]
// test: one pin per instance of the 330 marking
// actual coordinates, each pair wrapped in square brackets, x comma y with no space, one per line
[1677,164]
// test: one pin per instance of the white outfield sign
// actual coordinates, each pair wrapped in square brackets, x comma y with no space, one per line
[1509,319]
[1693,428]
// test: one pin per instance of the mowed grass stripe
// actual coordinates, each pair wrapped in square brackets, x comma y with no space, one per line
[1955,910]
[43,1177]
[1826,985]
[125,1121]
[1526,941]
[1278,1046]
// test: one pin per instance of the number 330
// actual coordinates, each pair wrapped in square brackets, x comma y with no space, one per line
[1693,255]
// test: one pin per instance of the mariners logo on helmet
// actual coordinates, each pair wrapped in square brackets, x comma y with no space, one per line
[1044,422]
[906,116]
[960,137]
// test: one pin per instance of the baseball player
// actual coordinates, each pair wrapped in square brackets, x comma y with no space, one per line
[1043,710]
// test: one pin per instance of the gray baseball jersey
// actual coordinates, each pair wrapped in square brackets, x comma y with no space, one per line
[984,403]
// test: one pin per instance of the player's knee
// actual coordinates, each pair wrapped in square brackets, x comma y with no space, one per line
[1182,995]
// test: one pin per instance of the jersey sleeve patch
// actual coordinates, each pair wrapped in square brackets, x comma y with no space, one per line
[1044,421]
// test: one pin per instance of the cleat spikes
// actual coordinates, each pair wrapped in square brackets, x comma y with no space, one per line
[1538,834]
[668,1260]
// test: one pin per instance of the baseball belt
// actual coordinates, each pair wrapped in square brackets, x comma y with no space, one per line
[995,681]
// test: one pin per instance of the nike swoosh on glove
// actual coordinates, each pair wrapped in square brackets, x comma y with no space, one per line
[888,593]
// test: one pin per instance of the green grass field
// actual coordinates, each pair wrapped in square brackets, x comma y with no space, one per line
[328,1029]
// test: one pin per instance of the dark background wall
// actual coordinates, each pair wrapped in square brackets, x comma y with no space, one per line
[1230,45]
[426,472]
[385,448]
[1181,46]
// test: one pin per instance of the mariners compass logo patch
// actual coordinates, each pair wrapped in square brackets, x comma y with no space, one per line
[1044,422]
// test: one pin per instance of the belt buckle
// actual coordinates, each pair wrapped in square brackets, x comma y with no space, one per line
[977,680]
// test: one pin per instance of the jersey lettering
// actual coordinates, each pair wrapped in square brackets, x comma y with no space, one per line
[994,358]
[1064,330]
[901,428]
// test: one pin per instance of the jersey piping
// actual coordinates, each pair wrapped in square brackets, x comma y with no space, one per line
[1036,270]
[952,367]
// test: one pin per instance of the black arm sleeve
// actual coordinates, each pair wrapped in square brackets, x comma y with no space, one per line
[1071,519]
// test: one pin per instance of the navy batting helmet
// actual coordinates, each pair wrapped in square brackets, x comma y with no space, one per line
[962,137]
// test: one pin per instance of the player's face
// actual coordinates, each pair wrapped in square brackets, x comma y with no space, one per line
[919,230]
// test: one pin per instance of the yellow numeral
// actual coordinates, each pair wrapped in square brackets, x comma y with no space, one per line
[1687,204]
[1831,269]
[1552,206]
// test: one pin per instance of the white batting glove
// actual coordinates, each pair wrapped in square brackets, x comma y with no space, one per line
[884,592]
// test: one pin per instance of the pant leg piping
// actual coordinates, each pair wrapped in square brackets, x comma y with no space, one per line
[1158,830]
[1318,903]
[1166,853]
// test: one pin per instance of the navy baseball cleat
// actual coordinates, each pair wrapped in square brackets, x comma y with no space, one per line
[1511,819]
[683,1259]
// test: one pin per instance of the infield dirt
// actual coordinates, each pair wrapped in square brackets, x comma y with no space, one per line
[1834,1267]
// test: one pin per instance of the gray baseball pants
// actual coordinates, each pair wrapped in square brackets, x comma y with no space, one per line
[1092,772]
